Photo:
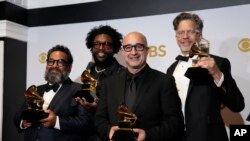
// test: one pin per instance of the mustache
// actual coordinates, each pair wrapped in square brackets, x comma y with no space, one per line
[54,69]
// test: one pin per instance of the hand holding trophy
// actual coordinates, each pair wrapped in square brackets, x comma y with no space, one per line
[88,87]
[198,50]
[126,123]
[34,105]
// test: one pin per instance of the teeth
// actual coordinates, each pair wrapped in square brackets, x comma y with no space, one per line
[101,54]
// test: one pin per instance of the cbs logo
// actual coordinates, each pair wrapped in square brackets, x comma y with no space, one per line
[159,51]
[244,44]
[43,57]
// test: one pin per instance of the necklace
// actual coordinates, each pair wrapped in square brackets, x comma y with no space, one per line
[99,71]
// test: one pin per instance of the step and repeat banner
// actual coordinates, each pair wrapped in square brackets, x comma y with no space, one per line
[227,29]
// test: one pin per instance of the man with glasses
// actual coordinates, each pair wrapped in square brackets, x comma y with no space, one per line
[149,94]
[66,120]
[203,98]
[104,42]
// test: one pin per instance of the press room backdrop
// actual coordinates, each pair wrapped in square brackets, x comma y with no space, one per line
[227,29]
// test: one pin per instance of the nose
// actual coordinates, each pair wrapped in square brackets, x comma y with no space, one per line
[185,35]
[55,64]
[101,46]
[133,51]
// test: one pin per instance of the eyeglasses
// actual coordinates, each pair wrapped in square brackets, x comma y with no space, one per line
[106,45]
[59,62]
[129,47]
[181,33]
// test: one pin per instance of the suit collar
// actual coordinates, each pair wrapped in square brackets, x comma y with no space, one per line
[58,96]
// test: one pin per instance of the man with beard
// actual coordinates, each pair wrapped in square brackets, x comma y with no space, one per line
[103,42]
[66,120]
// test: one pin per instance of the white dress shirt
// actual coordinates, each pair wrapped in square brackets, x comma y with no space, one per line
[48,96]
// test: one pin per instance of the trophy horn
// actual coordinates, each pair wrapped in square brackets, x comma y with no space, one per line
[32,95]
[126,114]
[200,48]
[86,78]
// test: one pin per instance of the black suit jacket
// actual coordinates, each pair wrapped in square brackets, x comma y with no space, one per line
[203,104]
[74,119]
[157,106]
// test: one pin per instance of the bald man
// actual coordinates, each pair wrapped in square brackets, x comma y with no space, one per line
[154,99]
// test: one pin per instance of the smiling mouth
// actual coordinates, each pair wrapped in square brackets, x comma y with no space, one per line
[101,54]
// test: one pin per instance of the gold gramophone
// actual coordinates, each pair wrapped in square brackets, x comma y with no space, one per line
[34,105]
[86,78]
[198,50]
[126,123]
[88,87]
[128,119]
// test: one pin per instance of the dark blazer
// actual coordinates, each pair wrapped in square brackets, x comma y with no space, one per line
[204,101]
[157,106]
[74,119]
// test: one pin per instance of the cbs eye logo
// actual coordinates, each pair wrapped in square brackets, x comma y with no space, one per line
[42,58]
[244,44]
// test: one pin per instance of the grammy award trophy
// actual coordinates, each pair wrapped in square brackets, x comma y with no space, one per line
[126,123]
[34,105]
[198,50]
[89,85]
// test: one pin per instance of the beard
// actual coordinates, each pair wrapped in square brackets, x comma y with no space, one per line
[55,75]
[105,62]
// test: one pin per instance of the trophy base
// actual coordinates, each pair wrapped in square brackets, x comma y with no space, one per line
[86,94]
[33,115]
[195,73]
[125,134]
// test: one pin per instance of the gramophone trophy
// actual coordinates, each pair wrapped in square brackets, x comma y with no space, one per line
[89,85]
[126,123]
[34,105]
[198,50]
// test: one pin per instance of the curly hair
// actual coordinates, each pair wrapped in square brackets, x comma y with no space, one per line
[104,29]
[188,16]
[62,49]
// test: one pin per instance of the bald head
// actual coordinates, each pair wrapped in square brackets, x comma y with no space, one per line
[135,37]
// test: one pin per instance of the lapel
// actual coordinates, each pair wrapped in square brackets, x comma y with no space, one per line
[172,68]
[191,83]
[60,95]
[171,71]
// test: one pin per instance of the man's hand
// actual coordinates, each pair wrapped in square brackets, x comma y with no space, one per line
[50,121]
[26,124]
[210,64]
[112,131]
[141,134]
[87,104]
